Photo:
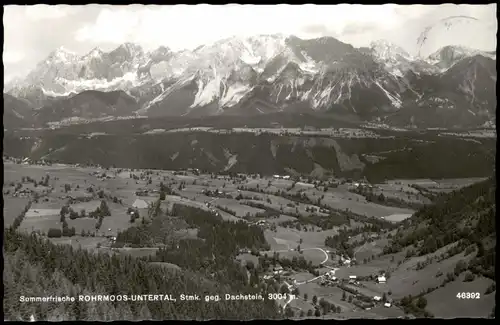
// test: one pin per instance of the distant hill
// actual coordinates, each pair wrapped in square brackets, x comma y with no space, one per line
[86,105]
[421,156]
[17,113]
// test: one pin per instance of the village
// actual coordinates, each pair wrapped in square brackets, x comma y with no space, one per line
[298,215]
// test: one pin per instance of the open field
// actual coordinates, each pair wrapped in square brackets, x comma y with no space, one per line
[313,255]
[82,224]
[136,252]
[398,217]
[244,258]
[118,221]
[12,207]
[407,280]
[291,236]
[443,185]
[443,302]
[190,189]
[358,270]
[35,213]
[42,223]
[77,241]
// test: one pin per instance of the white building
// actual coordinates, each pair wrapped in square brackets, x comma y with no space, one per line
[140,204]
[352,277]
[381,279]
[377,298]
[387,304]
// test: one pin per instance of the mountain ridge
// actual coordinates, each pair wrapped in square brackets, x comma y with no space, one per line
[322,74]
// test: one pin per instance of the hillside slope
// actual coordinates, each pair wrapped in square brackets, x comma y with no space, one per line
[16,113]
[266,154]
[449,247]
[87,105]
[36,267]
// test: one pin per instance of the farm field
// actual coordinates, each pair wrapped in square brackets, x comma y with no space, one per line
[85,189]
[398,217]
[41,222]
[407,280]
[82,224]
[12,207]
[77,241]
[137,252]
[443,302]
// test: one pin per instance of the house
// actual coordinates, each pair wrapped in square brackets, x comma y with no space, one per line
[352,277]
[140,204]
[377,298]
[381,279]
[387,304]
[278,269]
[142,193]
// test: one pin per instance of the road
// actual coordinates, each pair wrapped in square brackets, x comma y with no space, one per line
[290,296]
[308,249]
[324,261]
[290,287]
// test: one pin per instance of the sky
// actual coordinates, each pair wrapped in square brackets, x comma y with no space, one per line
[32,32]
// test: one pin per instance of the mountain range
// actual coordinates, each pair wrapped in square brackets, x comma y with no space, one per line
[453,87]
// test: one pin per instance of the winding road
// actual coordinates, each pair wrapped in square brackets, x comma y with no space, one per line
[290,287]
[308,249]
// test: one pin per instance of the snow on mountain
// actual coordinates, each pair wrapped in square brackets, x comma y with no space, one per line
[447,56]
[278,72]
[388,51]
[397,61]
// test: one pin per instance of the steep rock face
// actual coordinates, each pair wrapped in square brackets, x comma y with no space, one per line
[464,95]
[273,73]
[446,57]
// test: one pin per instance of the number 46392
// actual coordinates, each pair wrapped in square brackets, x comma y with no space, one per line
[468,295]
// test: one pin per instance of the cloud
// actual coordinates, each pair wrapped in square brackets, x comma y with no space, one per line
[12,56]
[184,26]
[114,26]
[32,32]
[358,28]
[45,12]
[317,30]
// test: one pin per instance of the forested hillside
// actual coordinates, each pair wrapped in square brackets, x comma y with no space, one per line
[377,159]
[213,251]
[36,267]
[465,217]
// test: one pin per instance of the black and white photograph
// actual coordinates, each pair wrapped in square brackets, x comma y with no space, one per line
[249,162]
